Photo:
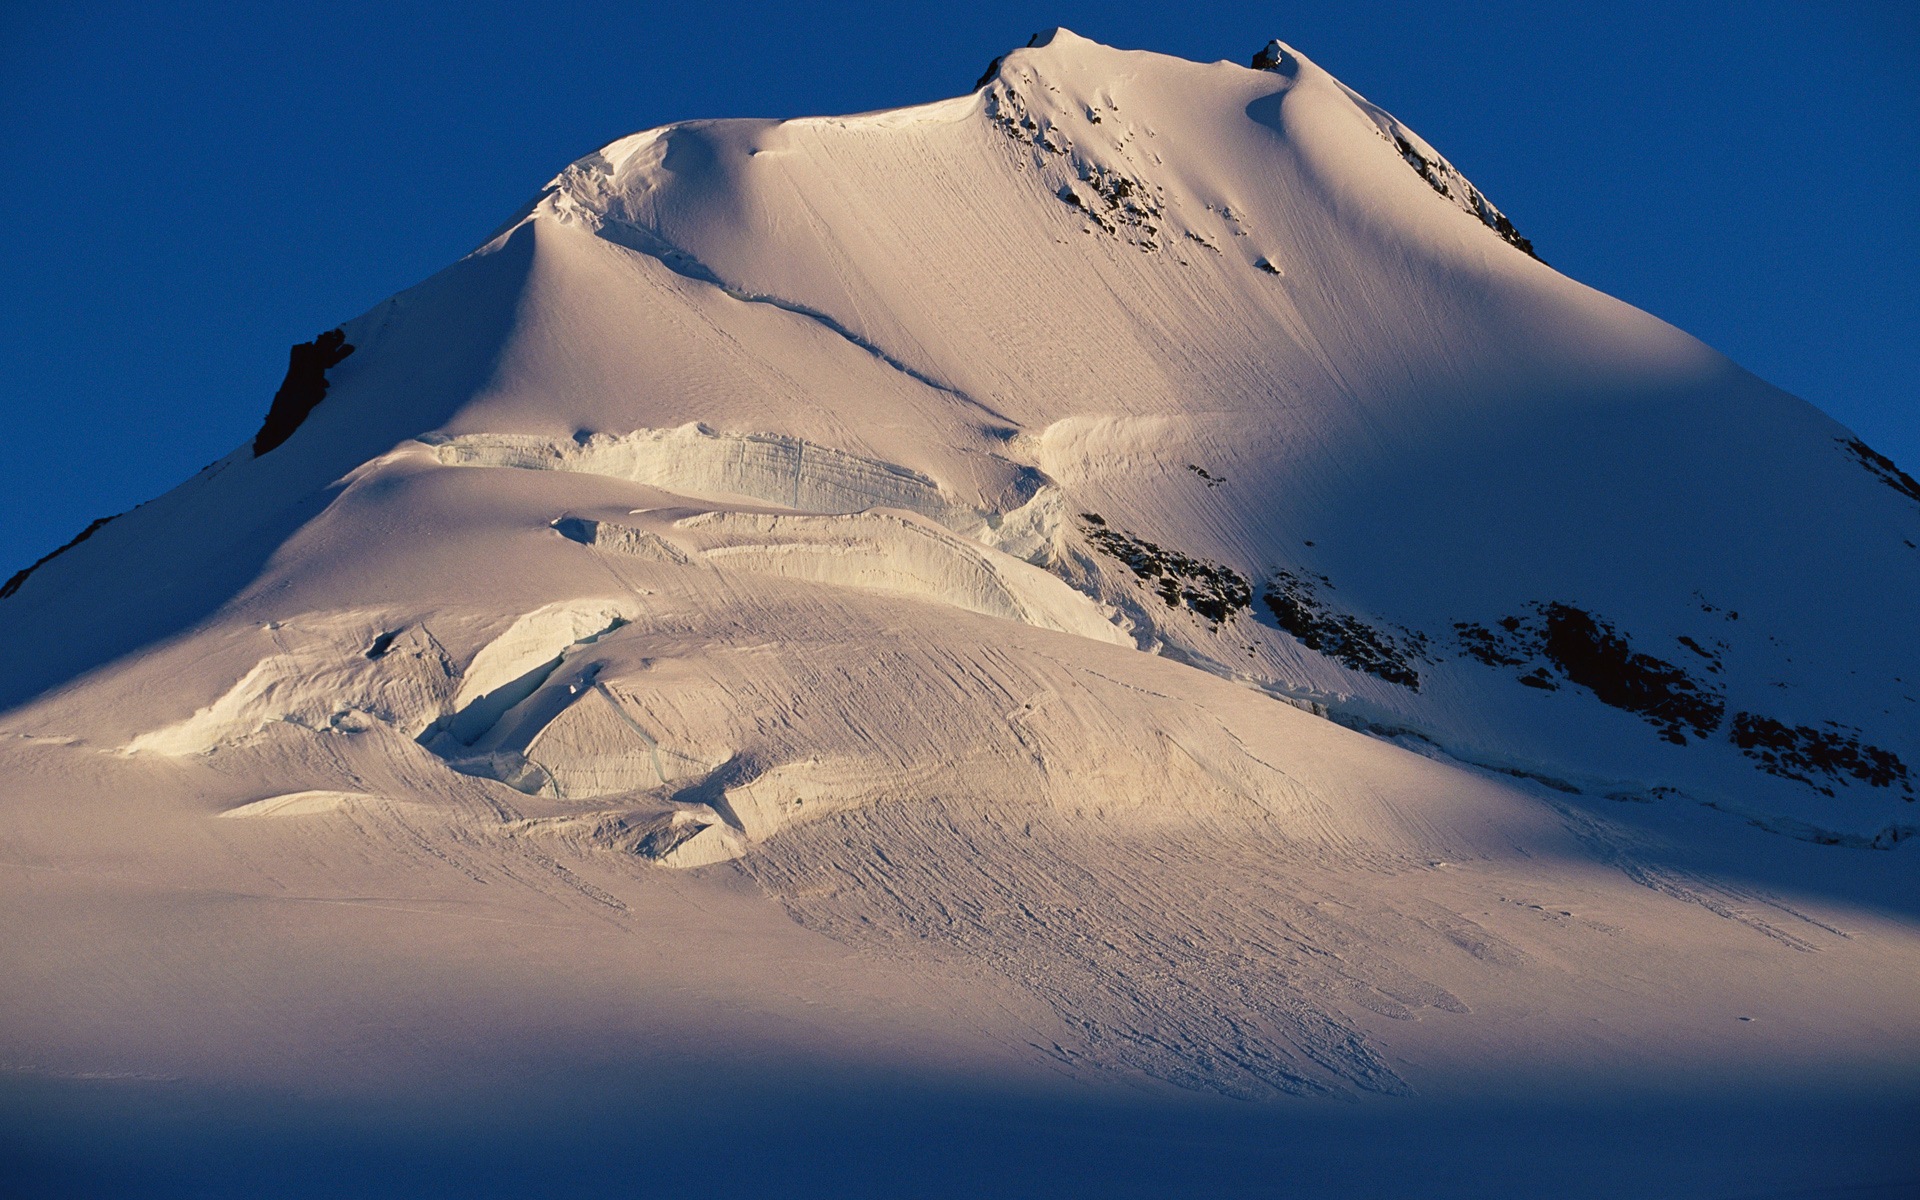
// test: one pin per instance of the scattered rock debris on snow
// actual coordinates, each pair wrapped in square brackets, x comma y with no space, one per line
[19,577]
[1711,655]
[1801,751]
[303,389]
[1883,468]
[1343,637]
[1724,614]
[1441,176]
[1483,644]
[1586,651]
[1009,112]
[1119,204]
[1559,642]
[1215,592]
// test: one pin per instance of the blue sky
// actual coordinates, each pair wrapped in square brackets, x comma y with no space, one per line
[189,189]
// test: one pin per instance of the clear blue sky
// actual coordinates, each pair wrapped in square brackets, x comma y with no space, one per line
[190,188]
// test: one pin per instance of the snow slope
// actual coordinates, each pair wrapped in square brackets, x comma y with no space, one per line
[960,519]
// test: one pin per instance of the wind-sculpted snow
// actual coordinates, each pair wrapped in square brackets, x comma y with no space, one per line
[525,716]
[297,804]
[953,753]
[696,461]
[895,553]
[322,681]
[533,713]
[612,537]
[509,668]
[1134,977]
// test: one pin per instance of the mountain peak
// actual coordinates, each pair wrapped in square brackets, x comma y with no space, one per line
[1270,56]
[1138,491]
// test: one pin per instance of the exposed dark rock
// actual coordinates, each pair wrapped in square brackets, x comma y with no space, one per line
[1212,591]
[382,644]
[1213,481]
[1585,650]
[1119,204]
[1007,110]
[1883,468]
[1712,656]
[1479,642]
[1268,57]
[1427,169]
[1589,652]
[1430,170]
[986,76]
[1801,751]
[303,389]
[19,577]
[1341,636]
[1502,226]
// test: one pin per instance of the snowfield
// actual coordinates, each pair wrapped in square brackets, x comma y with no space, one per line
[1128,602]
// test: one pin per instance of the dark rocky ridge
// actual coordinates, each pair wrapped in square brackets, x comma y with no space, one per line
[1802,751]
[1343,637]
[1272,57]
[1883,468]
[1212,591]
[19,577]
[1562,642]
[1490,216]
[303,389]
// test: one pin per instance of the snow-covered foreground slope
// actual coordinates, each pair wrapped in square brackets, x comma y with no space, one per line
[867,591]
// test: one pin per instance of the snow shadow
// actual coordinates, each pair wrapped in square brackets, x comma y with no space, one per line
[637,1131]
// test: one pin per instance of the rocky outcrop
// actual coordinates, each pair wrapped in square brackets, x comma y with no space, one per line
[303,389]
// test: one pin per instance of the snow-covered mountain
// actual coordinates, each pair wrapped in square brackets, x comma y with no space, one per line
[960,518]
